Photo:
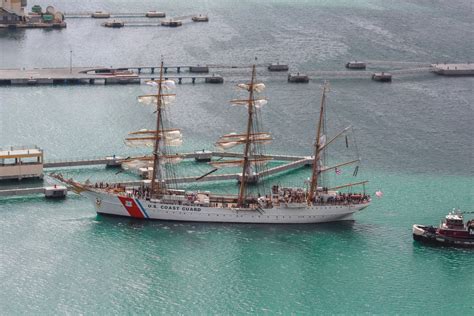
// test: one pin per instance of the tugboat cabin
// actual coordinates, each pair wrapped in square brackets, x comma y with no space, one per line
[453,221]
[21,162]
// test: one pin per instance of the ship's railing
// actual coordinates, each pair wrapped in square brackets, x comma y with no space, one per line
[23,147]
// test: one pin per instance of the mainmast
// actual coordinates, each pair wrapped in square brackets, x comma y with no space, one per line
[156,187]
[245,167]
[251,137]
[317,151]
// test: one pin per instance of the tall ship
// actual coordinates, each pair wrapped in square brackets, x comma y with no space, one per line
[312,202]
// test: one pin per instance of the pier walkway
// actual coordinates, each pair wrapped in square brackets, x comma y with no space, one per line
[115,160]
[194,73]
[91,75]
[21,192]
[80,15]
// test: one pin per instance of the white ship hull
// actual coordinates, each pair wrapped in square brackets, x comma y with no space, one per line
[112,204]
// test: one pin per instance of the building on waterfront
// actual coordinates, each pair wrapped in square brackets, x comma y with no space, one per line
[21,162]
[12,11]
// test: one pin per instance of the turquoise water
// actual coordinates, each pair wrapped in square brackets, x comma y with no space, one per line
[414,135]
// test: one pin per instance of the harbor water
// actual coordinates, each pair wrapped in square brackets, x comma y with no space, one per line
[414,136]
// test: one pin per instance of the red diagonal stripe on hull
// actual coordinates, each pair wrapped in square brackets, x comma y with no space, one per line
[132,207]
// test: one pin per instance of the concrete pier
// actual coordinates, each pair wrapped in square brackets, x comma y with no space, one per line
[195,73]
[56,191]
[105,14]
[453,69]
[96,75]
[199,69]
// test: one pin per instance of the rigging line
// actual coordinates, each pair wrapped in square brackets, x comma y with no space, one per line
[355,142]
[324,161]
[260,149]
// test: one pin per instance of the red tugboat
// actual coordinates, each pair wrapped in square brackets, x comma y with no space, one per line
[451,232]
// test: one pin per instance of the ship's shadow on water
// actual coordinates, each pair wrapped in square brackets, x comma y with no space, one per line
[420,248]
[118,221]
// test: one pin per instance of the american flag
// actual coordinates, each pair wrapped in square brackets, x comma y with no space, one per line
[338,171]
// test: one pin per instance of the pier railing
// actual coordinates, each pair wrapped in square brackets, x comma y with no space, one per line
[23,147]
[75,161]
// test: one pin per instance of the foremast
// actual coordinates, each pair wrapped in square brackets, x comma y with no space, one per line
[159,139]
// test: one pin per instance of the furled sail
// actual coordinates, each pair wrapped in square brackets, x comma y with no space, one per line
[227,145]
[153,132]
[172,134]
[140,141]
[257,87]
[171,137]
[174,142]
[152,99]
[166,84]
[231,140]
[147,161]
[137,163]
[258,103]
